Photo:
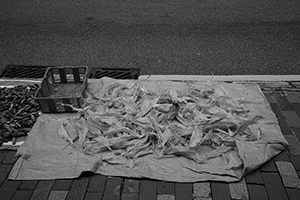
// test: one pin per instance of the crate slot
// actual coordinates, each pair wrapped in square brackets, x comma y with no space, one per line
[82,77]
[56,76]
[76,75]
[62,74]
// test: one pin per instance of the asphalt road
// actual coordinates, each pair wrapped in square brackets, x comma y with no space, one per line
[196,37]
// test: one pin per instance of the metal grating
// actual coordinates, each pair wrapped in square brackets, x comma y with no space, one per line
[19,71]
[129,73]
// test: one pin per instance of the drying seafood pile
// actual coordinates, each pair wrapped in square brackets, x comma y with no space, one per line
[18,111]
[131,121]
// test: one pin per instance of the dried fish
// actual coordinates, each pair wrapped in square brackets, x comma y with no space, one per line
[18,111]
[64,134]
[132,121]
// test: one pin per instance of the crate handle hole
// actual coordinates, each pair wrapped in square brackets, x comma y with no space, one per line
[56,76]
[70,78]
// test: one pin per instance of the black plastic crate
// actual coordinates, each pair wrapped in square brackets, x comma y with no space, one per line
[21,71]
[116,73]
[62,85]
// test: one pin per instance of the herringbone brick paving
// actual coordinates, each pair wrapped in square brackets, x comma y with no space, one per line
[277,179]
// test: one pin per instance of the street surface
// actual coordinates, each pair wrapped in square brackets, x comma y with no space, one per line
[197,37]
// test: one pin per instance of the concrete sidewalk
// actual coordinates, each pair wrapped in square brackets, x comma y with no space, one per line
[277,179]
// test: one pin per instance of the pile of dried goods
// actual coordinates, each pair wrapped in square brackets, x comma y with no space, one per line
[18,111]
[130,121]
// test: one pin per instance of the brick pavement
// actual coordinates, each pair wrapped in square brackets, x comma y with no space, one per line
[277,179]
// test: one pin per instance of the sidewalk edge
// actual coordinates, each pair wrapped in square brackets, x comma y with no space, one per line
[263,78]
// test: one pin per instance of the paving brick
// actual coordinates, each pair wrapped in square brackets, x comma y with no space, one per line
[131,196]
[42,190]
[288,174]
[292,118]
[184,191]
[58,195]
[78,188]
[22,195]
[97,183]
[112,189]
[296,107]
[284,127]
[284,103]
[202,189]
[296,161]
[10,157]
[293,97]
[296,132]
[269,166]
[2,155]
[148,190]
[254,177]
[220,191]
[4,171]
[28,185]
[293,194]
[203,198]
[8,189]
[283,156]
[270,96]
[238,190]
[257,192]
[93,196]
[274,186]
[165,197]
[276,109]
[62,184]
[131,186]
[165,187]
[294,145]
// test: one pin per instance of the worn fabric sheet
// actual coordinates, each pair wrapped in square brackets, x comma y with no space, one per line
[44,155]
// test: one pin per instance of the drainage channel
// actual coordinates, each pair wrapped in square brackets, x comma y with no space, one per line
[21,71]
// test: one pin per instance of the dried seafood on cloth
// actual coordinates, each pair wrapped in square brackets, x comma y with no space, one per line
[173,131]
[133,120]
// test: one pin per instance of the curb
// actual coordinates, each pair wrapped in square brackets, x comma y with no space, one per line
[262,78]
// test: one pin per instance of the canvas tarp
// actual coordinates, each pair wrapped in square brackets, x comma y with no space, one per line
[45,155]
